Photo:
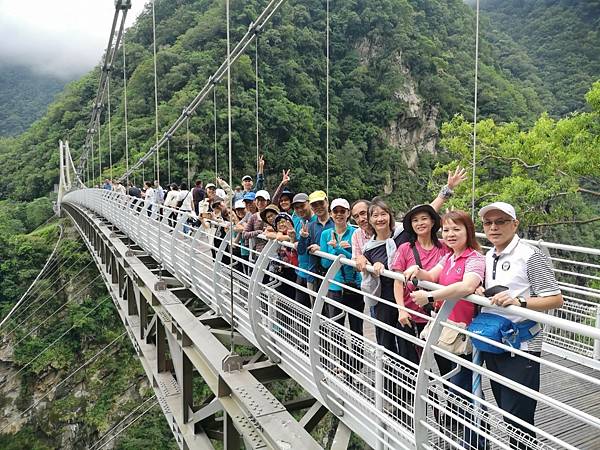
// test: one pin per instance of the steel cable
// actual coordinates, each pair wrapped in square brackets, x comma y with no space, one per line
[55,341]
[46,302]
[56,311]
[40,290]
[137,408]
[87,363]
[130,424]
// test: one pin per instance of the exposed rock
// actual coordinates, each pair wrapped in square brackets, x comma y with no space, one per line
[416,131]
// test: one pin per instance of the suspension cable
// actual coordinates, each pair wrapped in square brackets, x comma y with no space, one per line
[215,131]
[99,151]
[40,290]
[229,144]
[46,265]
[125,115]
[263,18]
[93,168]
[169,160]
[129,424]
[157,157]
[39,296]
[109,125]
[56,340]
[327,101]
[475,111]
[256,104]
[187,132]
[73,297]
[112,429]
[87,363]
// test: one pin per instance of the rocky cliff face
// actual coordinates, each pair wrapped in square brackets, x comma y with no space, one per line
[70,414]
[414,132]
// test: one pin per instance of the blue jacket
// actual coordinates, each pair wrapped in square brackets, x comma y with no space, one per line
[314,237]
[303,258]
[346,274]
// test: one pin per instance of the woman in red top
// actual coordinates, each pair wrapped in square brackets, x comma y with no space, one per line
[461,273]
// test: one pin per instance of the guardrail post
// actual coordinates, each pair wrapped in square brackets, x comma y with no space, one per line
[314,340]
[379,392]
[597,341]
[254,288]
[423,382]
[216,267]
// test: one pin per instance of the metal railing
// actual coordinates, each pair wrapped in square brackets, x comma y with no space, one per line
[388,400]
[577,270]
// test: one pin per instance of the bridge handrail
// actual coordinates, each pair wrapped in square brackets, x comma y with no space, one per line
[556,246]
[382,417]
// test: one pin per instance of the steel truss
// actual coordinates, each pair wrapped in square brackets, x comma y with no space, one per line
[177,343]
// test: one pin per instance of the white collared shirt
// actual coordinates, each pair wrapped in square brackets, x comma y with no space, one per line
[526,271]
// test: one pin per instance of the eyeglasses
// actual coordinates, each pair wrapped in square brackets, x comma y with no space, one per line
[497,222]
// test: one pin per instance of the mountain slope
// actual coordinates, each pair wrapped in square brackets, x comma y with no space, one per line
[24,97]
[561,39]
[398,69]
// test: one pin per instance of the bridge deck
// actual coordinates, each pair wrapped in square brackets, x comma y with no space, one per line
[579,394]
[378,403]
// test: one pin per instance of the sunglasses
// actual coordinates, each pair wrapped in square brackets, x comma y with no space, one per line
[497,222]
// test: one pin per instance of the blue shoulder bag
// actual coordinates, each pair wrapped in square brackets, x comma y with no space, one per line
[503,330]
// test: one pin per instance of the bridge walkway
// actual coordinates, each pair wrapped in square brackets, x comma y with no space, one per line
[389,402]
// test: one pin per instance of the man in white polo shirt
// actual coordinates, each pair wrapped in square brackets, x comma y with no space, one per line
[527,272]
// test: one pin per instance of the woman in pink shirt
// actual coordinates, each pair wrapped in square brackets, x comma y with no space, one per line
[461,272]
[421,225]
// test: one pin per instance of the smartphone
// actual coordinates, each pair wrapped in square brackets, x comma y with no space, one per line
[493,290]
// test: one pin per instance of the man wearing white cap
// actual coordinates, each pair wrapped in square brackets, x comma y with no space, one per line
[248,184]
[527,273]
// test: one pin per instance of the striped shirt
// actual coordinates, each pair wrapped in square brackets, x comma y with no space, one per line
[527,272]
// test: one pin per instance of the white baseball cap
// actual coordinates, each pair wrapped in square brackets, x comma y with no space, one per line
[210,185]
[500,206]
[263,194]
[239,205]
[340,202]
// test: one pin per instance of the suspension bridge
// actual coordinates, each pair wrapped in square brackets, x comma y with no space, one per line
[187,302]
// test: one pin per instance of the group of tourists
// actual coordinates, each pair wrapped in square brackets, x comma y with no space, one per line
[423,246]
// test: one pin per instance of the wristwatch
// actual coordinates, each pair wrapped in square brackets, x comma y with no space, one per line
[446,192]
[430,298]
[522,302]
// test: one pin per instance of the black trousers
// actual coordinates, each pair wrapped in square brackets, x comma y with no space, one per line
[523,371]
[355,301]
[302,297]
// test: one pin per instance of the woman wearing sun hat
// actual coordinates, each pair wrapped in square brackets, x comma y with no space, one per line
[423,249]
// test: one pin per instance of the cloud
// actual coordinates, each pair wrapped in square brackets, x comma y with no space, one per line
[63,38]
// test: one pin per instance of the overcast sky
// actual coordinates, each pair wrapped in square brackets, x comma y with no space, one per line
[60,37]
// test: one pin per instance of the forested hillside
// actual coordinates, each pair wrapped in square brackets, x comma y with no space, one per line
[24,97]
[560,40]
[401,115]
[399,68]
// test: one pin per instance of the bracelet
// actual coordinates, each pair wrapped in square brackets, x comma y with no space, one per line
[446,192]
